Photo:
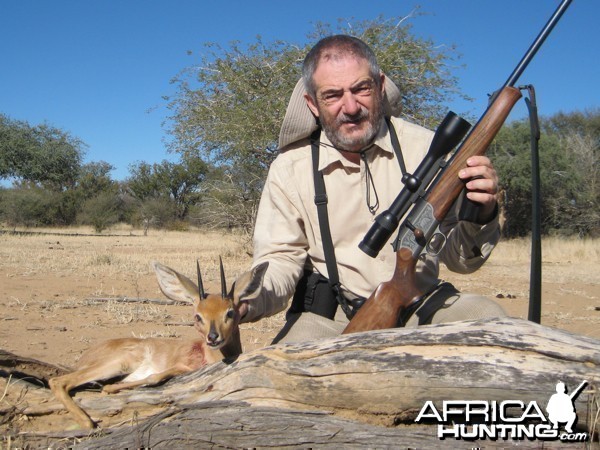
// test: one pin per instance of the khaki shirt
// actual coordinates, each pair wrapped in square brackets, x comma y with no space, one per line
[287,230]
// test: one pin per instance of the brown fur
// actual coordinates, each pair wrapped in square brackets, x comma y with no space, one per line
[152,360]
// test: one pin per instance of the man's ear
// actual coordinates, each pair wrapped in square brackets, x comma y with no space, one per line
[311,105]
[382,83]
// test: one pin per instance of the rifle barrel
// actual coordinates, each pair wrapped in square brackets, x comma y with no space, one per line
[512,79]
[576,391]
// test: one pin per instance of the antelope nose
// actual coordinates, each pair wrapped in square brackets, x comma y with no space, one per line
[213,336]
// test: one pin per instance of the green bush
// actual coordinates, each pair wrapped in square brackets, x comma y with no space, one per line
[101,211]
[30,207]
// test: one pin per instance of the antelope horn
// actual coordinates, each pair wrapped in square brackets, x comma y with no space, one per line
[200,285]
[223,282]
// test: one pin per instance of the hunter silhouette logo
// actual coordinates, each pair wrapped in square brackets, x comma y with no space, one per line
[508,419]
[561,408]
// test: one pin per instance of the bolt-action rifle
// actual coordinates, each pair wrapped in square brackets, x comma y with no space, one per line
[429,194]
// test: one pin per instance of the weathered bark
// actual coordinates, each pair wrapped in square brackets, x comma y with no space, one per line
[225,424]
[368,379]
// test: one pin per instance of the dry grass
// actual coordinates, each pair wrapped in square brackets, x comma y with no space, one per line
[124,251]
[127,250]
[554,250]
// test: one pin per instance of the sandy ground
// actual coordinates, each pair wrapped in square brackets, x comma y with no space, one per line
[52,309]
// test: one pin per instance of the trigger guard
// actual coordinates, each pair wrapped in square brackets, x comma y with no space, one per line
[433,249]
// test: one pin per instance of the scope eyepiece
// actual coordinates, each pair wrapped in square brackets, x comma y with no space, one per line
[379,233]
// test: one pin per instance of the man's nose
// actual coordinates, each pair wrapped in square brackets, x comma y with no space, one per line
[349,104]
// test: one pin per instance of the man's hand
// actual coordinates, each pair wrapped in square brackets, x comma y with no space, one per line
[482,185]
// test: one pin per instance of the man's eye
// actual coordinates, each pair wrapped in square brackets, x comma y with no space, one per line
[363,90]
[330,97]
[198,318]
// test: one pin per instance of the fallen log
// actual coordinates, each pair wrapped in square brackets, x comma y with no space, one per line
[225,424]
[371,379]
[28,369]
[154,301]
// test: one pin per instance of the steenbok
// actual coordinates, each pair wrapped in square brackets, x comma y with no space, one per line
[152,360]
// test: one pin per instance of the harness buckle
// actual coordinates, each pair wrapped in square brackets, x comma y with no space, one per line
[320,199]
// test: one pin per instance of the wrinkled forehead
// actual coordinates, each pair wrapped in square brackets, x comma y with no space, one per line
[340,74]
[335,67]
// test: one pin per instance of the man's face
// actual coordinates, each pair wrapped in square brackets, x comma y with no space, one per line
[348,102]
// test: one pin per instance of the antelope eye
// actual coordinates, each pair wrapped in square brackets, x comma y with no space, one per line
[230,313]
[198,318]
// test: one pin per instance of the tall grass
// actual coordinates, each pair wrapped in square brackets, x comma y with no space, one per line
[554,250]
[123,252]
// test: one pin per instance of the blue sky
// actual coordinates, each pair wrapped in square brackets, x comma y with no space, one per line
[99,69]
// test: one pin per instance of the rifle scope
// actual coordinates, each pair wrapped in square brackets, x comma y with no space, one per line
[447,136]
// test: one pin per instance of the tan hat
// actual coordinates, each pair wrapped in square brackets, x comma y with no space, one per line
[299,122]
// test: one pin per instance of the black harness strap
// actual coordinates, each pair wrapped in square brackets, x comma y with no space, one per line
[396,146]
[328,250]
[322,214]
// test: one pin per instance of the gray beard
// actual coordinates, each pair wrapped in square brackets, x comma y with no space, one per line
[349,143]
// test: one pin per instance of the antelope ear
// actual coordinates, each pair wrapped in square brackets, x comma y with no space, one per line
[175,285]
[249,284]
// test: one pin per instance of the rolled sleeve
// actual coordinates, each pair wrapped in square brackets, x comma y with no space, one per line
[469,245]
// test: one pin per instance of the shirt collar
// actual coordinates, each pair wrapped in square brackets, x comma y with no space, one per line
[328,155]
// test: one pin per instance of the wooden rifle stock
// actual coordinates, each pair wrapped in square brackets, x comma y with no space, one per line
[383,308]
[449,185]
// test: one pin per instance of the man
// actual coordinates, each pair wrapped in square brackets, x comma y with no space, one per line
[353,102]
[560,408]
